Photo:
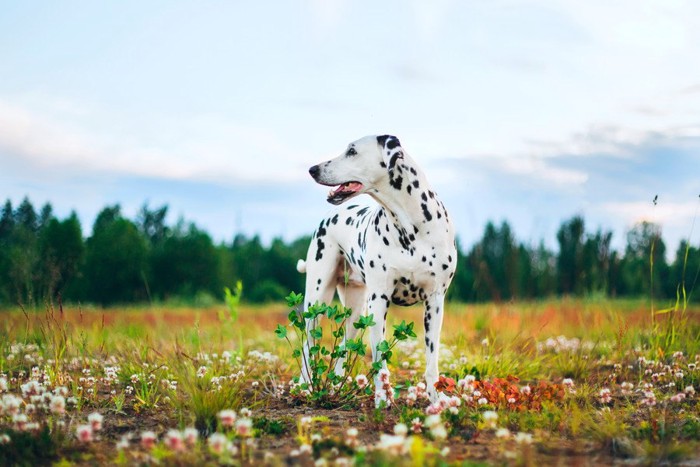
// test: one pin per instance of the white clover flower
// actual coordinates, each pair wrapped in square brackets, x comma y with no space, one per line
[432,421]
[305,449]
[678,397]
[190,435]
[245,412]
[122,444]
[11,404]
[174,440]
[649,399]
[217,443]
[95,420]
[523,438]
[84,433]
[503,433]
[490,417]
[439,432]
[227,418]
[391,444]
[148,439]
[244,427]
[305,421]
[400,429]
[58,405]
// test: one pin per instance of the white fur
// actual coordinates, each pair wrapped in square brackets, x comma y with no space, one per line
[400,249]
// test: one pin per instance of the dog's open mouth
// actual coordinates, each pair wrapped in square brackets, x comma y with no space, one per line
[346,190]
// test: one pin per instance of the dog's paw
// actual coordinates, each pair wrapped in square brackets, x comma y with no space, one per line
[383,392]
[381,401]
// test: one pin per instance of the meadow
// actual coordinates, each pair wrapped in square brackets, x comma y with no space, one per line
[564,382]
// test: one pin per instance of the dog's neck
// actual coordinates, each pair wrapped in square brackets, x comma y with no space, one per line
[414,211]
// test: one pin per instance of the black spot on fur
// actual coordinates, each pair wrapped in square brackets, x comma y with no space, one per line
[319,249]
[426,213]
[396,182]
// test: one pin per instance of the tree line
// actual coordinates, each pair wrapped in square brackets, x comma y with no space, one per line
[146,260]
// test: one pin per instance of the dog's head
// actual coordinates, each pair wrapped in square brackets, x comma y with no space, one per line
[365,165]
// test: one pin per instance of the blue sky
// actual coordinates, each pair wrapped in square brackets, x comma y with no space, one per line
[528,111]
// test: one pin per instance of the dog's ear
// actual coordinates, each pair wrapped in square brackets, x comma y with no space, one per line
[391,149]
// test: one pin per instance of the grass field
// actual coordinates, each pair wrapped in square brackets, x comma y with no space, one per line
[557,382]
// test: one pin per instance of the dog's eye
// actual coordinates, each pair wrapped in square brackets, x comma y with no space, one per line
[351,152]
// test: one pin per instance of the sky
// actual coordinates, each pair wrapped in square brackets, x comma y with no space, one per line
[525,111]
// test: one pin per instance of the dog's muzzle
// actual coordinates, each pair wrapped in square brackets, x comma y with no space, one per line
[340,192]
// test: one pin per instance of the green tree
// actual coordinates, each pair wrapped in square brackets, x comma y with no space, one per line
[116,260]
[570,260]
[636,266]
[596,262]
[61,252]
[187,263]
[22,254]
[151,224]
[685,271]
[7,223]
[494,260]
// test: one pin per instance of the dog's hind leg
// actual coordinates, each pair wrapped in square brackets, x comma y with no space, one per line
[432,320]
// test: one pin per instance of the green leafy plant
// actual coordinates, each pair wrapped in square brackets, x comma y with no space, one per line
[327,387]
[233,299]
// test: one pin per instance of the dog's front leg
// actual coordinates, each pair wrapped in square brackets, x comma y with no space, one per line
[432,321]
[383,392]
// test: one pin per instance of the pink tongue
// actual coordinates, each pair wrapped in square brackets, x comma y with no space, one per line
[352,186]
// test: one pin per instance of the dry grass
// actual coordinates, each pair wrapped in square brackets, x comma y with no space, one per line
[576,349]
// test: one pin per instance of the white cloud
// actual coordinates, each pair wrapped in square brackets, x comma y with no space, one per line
[204,147]
[670,214]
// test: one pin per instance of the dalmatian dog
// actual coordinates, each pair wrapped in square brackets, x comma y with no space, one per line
[399,250]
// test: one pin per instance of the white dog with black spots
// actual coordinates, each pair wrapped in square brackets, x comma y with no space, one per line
[400,250]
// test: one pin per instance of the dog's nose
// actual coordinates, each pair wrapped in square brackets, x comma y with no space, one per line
[313,171]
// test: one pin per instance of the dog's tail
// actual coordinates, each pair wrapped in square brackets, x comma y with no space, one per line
[301,266]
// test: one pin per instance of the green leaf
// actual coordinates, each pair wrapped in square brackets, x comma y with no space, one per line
[294,300]
[316,333]
[365,322]
[383,346]
[281,331]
